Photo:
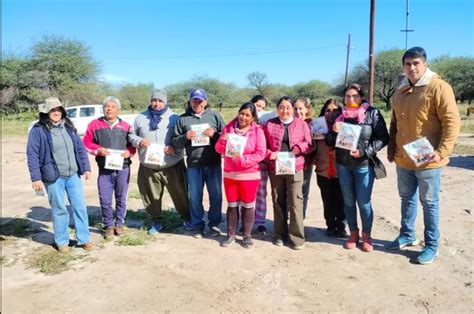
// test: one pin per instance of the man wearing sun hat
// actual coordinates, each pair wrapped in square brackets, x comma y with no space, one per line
[204,163]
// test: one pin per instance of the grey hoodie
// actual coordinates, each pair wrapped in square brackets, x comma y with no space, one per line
[162,135]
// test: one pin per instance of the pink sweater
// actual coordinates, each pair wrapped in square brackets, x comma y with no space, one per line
[299,136]
[245,167]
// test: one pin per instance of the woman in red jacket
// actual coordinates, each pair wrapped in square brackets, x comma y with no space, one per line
[242,143]
[288,139]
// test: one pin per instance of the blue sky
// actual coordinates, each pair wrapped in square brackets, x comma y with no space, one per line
[170,41]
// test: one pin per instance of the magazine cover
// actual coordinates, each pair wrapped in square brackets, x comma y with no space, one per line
[155,154]
[235,144]
[114,161]
[348,136]
[200,139]
[319,128]
[285,163]
[419,150]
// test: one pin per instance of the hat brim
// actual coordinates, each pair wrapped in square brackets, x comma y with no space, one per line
[198,97]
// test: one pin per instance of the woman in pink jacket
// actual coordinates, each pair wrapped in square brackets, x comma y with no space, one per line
[287,135]
[242,143]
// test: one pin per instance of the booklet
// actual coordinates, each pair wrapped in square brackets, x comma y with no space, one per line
[41,192]
[348,136]
[319,128]
[419,151]
[235,144]
[200,139]
[155,154]
[114,160]
[285,163]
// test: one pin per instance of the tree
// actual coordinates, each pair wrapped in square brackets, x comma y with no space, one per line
[459,73]
[21,85]
[258,80]
[68,64]
[315,90]
[135,96]
[217,92]
[388,67]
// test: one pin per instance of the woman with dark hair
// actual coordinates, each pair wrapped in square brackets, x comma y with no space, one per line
[288,139]
[356,173]
[56,159]
[326,174]
[242,144]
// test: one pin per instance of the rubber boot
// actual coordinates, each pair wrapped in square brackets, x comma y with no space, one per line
[353,240]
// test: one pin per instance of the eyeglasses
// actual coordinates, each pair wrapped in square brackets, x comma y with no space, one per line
[355,96]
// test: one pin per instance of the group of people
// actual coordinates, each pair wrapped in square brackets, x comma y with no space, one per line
[255,146]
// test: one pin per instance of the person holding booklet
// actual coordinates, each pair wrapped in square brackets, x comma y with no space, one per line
[107,139]
[56,160]
[243,146]
[197,131]
[358,134]
[326,174]
[260,103]
[424,127]
[161,165]
[288,139]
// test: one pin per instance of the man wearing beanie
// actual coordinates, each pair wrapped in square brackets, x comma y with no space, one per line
[152,131]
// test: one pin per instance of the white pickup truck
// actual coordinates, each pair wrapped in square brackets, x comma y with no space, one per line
[82,115]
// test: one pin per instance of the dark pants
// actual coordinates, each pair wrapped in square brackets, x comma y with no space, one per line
[333,202]
[151,184]
[108,182]
[287,196]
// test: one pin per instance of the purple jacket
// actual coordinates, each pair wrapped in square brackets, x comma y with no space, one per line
[39,152]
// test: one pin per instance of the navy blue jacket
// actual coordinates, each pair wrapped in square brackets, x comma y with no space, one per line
[39,152]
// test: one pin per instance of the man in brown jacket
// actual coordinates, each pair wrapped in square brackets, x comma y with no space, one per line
[423,106]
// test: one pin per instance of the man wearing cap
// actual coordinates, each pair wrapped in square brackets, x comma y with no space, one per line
[155,126]
[56,160]
[423,106]
[103,135]
[204,163]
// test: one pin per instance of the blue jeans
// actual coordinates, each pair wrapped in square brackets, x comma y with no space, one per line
[356,186]
[426,183]
[72,186]
[212,177]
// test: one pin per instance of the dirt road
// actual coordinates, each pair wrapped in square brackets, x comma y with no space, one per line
[176,273]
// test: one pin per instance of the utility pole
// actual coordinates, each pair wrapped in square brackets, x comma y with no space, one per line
[371,52]
[406,30]
[347,58]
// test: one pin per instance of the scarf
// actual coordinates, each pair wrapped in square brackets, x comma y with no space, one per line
[331,173]
[424,80]
[156,117]
[353,113]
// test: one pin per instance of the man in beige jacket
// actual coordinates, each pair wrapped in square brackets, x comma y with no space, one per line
[423,106]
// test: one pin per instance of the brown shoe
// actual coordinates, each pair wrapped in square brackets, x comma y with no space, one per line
[64,249]
[109,232]
[88,246]
[119,230]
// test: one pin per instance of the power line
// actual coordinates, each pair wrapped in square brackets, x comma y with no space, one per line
[224,55]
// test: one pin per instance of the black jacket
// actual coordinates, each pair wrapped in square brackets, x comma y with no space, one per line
[373,137]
